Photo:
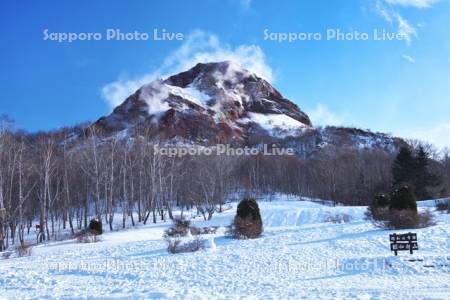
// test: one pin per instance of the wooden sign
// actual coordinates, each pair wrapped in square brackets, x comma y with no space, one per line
[403,242]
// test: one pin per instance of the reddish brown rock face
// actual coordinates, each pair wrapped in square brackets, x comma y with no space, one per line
[223,103]
[209,103]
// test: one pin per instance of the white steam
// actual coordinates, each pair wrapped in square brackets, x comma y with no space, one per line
[154,95]
[198,47]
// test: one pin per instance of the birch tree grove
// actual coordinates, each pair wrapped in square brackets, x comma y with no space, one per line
[53,183]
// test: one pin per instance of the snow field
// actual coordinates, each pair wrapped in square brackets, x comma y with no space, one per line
[300,255]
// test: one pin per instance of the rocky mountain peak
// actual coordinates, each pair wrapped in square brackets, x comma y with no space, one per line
[211,102]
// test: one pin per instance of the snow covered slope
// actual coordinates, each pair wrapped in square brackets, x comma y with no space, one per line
[301,255]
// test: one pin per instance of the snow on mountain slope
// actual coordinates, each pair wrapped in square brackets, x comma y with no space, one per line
[299,256]
[208,102]
[222,103]
[279,125]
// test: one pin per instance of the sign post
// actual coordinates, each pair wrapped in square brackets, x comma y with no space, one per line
[403,242]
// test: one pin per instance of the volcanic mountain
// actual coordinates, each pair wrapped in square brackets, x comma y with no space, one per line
[223,103]
[210,103]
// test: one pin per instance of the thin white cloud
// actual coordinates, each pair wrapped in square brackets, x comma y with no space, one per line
[322,116]
[412,3]
[197,47]
[390,14]
[438,135]
[408,58]
[383,11]
[405,29]
[245,4]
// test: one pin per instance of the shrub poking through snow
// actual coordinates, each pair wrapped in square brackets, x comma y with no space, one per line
[403,198]
[401,213]
[90,234]
[205,230]
[181,223]
[248,223]
[23,250]
[178,245]
[182,237]
[402,219]
[180,227]
[87,236]
[95,226]
[442,206]
[382,200]
[173,244]
[338,218]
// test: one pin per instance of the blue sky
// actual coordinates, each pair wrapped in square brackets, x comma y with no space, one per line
[401,86]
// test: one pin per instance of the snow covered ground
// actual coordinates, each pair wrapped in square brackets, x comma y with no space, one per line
[300,255]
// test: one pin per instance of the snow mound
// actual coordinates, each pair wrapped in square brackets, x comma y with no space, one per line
[289,214]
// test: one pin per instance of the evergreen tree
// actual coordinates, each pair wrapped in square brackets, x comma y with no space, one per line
[248,222]
[403,198]
[423,178]
[404,168]
[413,170]
[95,226]
[248,208]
